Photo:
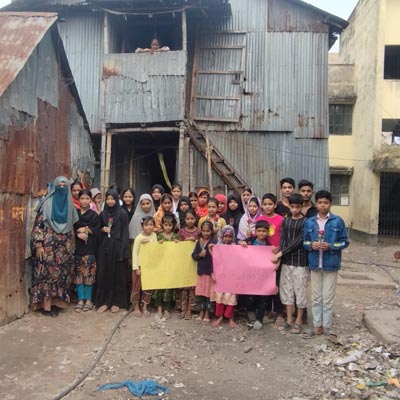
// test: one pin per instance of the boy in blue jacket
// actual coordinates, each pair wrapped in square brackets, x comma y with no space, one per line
[325,236]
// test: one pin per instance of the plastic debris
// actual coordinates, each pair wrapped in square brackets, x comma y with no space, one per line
[346,360]
[393,381]
[139,388]
[376,384]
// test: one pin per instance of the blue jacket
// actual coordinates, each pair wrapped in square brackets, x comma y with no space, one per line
[335,234]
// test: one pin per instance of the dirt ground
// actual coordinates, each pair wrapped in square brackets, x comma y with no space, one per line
[40,356]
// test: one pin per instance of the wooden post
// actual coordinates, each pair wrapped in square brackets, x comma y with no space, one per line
[210,182]
[191,168]
[184,31]
[181,157]
[103,162]
[108,160]
[186,171]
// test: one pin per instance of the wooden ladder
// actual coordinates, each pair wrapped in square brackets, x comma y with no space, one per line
[231,177]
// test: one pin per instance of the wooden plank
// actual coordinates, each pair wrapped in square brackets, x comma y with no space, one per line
[184,31]
[216,98]
[222,47]
[220,72]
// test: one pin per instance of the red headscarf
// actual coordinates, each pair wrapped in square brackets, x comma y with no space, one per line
[221,199]
[202,211]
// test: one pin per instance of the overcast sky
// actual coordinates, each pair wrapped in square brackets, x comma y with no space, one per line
[341,8]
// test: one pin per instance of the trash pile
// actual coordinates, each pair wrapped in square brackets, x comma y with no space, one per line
[357,368]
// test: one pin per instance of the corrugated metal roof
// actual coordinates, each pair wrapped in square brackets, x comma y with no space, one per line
[20,33]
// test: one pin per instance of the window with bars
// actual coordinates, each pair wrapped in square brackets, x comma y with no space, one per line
[340,119]
[340,187]
[392,62]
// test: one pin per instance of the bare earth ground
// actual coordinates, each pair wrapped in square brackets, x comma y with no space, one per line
[40,356]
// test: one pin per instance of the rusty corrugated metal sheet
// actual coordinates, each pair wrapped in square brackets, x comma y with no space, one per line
[40,124]
[144,87]
[20,33]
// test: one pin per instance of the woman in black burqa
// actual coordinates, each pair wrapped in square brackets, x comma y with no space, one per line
[112,256]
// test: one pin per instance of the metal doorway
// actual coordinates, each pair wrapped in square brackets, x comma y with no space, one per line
[389,205]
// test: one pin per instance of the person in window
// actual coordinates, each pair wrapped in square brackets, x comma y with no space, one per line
[155,47]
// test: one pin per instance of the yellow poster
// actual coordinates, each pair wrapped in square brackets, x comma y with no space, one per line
[168,265]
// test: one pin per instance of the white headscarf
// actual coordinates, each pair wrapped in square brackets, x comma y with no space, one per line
[135,226]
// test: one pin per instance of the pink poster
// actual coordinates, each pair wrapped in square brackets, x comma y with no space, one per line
[244,270]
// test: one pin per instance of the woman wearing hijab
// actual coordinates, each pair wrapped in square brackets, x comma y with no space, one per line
[145,208]
[53,249]
[112,256]
[222,206]
[156,192]
[234,212]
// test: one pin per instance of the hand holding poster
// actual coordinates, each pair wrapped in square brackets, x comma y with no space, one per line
[244,270]
[168,265]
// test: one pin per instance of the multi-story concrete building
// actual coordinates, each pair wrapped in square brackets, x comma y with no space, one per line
[364,142]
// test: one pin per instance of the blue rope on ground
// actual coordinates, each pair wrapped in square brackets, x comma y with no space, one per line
[139,388]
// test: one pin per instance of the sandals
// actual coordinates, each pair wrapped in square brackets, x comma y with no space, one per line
[205,321]
[87,307]
[279,322]
[198,320]
[285,327]
[296,329]
[79,307]
[312,333]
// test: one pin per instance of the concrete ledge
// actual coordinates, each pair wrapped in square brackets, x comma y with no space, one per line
[365,279]
[384,324]
[363,237]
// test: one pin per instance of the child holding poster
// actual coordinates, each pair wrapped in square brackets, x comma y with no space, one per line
[202,255]
[186,295]
[146,236]
[260,302]
[163,298]
[294,271]
[225,302]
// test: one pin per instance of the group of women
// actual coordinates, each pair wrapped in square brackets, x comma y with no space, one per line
[82,245]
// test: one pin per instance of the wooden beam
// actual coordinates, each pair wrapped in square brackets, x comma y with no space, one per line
[184,31]
[181,157]
[144,129]
[108,160]
[103,163]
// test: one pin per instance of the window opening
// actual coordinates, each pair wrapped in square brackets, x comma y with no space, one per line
[392,62]
[340,119]
[340,185]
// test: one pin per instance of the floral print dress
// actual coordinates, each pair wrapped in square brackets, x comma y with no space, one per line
[52,276]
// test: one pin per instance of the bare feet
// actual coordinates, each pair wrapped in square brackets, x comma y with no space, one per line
[188,315]
[114,309]
[167,314]
[102,309]
[232,323]
[217,322]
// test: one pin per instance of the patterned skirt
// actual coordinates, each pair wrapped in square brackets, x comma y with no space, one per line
[204,286]
[85,269]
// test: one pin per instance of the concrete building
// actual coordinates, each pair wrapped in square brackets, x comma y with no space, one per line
[364,145]
[248,77]
[43,133]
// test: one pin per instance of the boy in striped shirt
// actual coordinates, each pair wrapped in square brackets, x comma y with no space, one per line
[294,273]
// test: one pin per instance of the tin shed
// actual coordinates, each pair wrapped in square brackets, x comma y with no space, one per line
[43,133]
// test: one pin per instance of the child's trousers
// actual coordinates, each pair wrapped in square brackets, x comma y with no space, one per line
[223,310]
[204,303]
[84,292]
[135,295]
[323,289]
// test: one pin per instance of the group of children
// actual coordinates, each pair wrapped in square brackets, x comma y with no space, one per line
[304,237]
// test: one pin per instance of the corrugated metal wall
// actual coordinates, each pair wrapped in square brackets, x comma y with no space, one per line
[263,158]
[82,36]
[144,87]
[285,77]
[34,148]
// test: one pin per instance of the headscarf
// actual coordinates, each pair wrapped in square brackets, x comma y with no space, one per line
[226,229]
[162,191]
[93,205]
[221,199]
[181,214]
[136,221]
[59,212]
[111,213]
[233,217]
[203,210]
[247,222]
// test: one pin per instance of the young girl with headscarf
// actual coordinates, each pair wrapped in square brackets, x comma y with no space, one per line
[248,221]
[112,256]
[53,249]
[145,208]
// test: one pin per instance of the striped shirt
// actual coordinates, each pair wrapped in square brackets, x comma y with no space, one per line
[292,233]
